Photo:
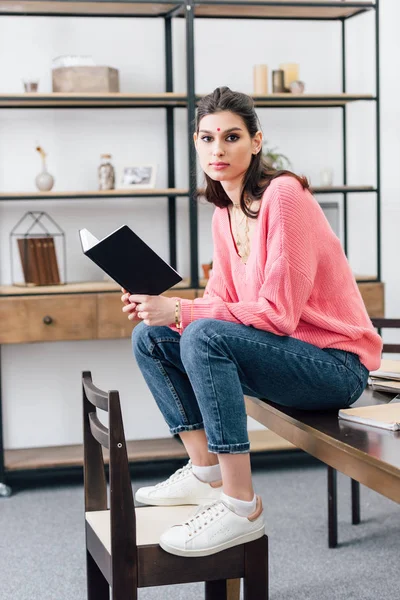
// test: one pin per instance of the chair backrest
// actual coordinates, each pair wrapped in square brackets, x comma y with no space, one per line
[382,323]
[95,437]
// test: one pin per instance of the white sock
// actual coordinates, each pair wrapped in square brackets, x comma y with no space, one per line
[208,474]
[240,507]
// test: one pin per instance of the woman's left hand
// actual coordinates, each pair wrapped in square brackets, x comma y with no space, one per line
[153,310]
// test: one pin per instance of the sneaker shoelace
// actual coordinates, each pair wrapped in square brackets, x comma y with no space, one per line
[179,474]
[204,516]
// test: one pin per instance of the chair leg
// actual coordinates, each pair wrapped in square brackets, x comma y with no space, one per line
[216,590]
[355,502]
[97,584]
[332,508]
[256,570]
[233,589]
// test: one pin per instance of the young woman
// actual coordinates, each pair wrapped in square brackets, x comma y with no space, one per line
[281,318]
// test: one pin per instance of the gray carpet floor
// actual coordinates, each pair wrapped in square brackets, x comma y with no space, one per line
[42,542]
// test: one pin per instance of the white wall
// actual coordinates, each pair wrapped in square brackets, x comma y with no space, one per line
[225,54]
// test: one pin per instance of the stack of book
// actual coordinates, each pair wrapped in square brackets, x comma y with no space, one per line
[39,260]
[385,415]
[387,377]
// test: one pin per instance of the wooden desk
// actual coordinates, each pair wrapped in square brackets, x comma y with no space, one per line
[368,455]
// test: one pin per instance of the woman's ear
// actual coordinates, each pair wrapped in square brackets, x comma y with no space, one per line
[257,142]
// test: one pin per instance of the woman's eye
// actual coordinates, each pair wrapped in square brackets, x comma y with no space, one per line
[232,138]
[206,138]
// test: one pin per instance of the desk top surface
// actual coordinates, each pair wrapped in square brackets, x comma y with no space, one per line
[372,444]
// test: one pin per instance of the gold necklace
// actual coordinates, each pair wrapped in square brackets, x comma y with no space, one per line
[242,244]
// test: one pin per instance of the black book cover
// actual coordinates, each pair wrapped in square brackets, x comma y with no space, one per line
[130,261]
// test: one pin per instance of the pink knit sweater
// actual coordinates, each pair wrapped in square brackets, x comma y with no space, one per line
[297,281]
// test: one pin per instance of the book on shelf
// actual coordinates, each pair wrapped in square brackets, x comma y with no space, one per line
[39,260]
[29,263]
[385,416]
[129,261]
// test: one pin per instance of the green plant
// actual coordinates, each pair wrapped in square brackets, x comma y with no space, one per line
[275,159]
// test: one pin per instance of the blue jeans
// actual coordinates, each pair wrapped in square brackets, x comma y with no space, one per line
[198,378]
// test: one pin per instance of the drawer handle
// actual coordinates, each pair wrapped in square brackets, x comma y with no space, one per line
[47,320]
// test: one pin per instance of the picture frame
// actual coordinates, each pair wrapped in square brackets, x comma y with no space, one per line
[136,176]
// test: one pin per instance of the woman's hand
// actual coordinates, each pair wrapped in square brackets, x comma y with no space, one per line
[153,310]
[129,306]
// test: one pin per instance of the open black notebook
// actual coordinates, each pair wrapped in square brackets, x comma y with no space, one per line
[129,261]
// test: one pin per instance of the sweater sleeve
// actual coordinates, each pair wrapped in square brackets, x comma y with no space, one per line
[289,270]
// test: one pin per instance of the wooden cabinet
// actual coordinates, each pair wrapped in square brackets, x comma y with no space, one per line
[373,294]
[87,316]
[56,317]
[47,318]
[13,320]
[111,321]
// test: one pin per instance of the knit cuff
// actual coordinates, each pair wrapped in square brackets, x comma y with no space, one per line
[191,311]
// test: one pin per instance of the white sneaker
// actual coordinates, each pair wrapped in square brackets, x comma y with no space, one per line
[183,487]
[212,529]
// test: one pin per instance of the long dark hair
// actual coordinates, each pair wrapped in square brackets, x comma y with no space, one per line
[259,174]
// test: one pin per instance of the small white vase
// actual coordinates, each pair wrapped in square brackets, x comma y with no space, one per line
[326,177]
[44,181]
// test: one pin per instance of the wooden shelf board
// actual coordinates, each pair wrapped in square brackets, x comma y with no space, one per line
[267,9]
[76,100]
[97,287]
[83,8]
[80,287]
[92,194]
[150,193]
[138,451]
[333,189]
[90,100]
[281,10]
[299,100]
[368,278]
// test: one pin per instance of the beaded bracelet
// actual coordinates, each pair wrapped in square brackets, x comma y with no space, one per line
[178,322]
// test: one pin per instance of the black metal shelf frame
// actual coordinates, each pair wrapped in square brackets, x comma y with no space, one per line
[364,7]
[187,10]
[172,224]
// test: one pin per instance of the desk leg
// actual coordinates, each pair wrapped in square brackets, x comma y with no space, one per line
[332,508]
[355,502]
[5,491]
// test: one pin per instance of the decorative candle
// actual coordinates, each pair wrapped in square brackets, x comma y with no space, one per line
[260,79]
[278,82]
[291,71]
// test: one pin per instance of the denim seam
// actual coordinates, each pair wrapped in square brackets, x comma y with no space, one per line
[172,390]
[355,392]
[315,360]
[215,403]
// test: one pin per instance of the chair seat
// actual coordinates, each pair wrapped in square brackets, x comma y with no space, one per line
[151,522]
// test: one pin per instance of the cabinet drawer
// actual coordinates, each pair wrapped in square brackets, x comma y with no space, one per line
[47,318]
[13,320]
[112,323]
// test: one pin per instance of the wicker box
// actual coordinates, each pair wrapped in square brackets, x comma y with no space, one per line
[86,80]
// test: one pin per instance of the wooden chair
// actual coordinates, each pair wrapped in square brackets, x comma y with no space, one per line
[379,323]
[122,549]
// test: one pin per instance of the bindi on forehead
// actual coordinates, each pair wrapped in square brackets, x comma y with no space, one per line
[218,129]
